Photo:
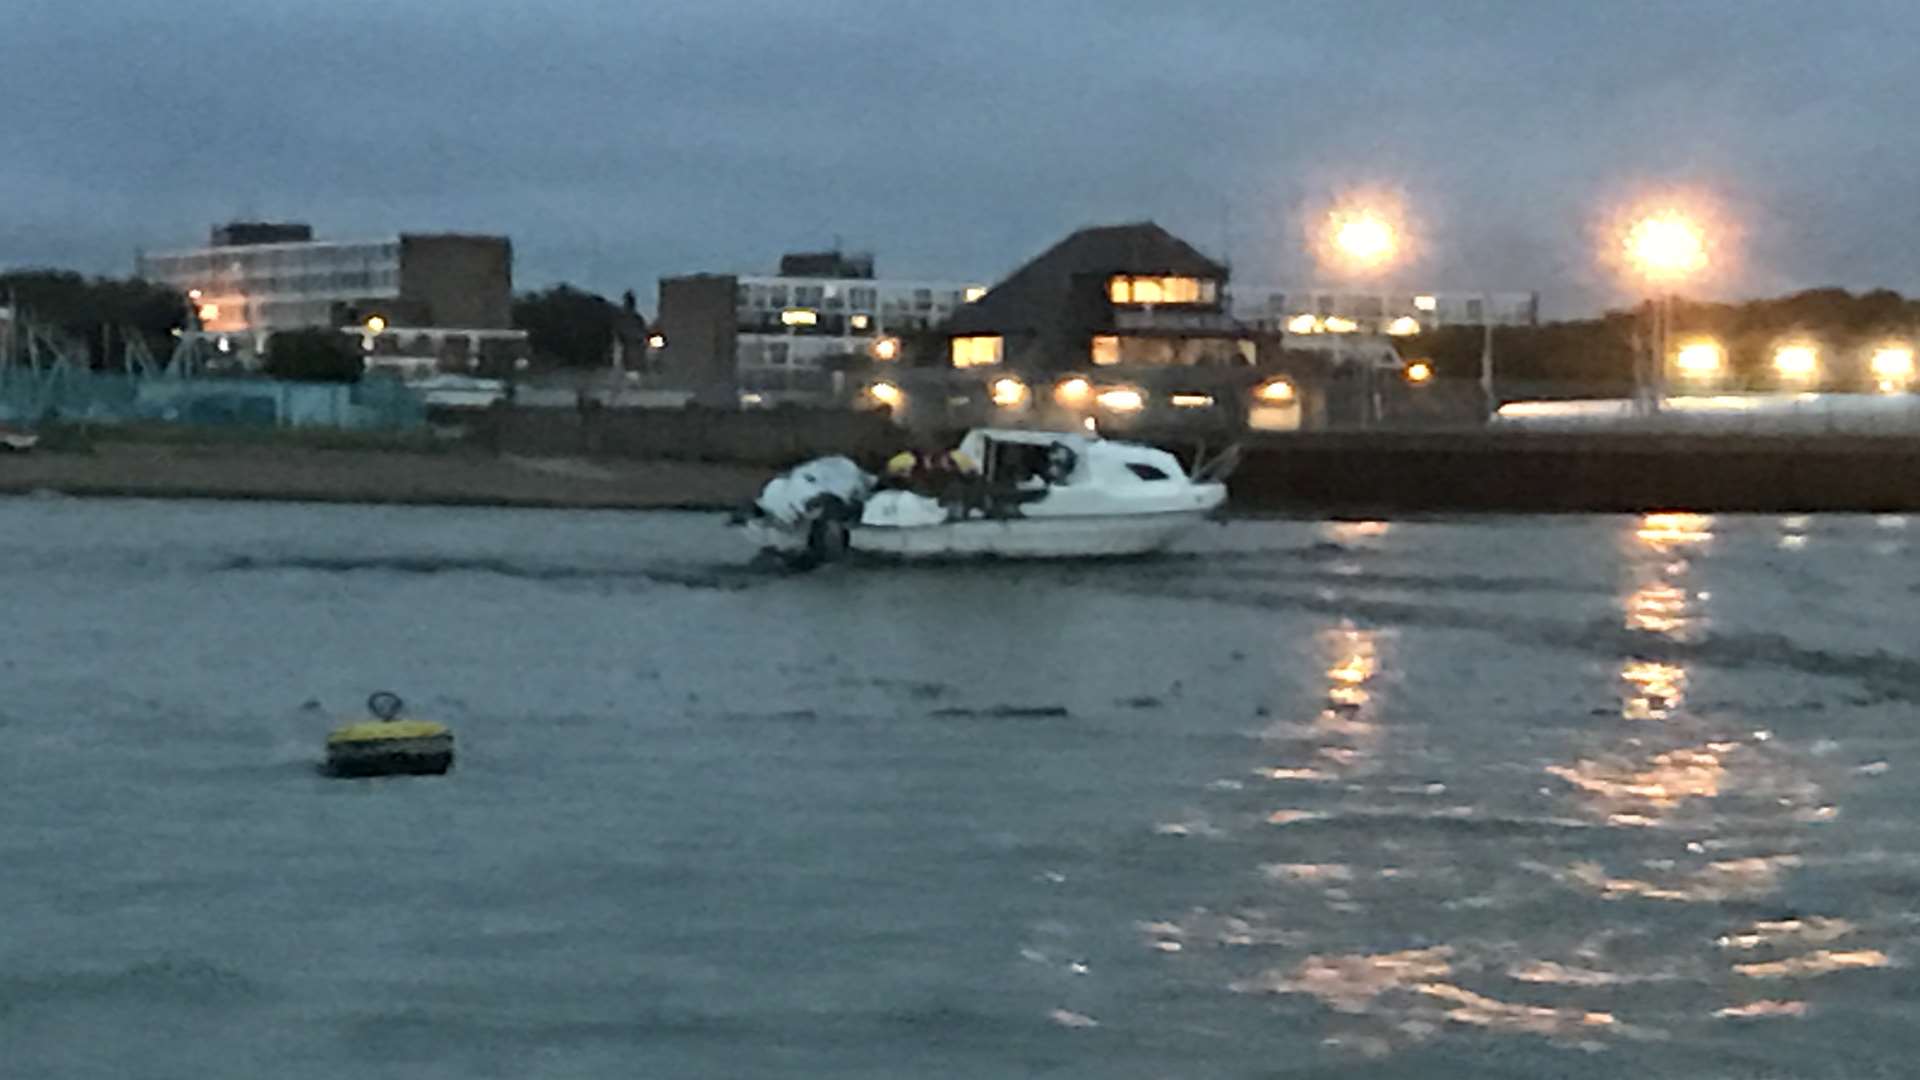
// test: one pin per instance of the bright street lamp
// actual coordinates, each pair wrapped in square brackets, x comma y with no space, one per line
[1797,362]
[1892,367]
[1702,359]
[1362,235]
[1663,249]
[1363,238]
[1667,247]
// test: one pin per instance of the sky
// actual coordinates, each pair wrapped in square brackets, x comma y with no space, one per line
[617,141]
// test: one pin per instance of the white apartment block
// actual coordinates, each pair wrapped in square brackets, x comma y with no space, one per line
[792,330]
[1335,310]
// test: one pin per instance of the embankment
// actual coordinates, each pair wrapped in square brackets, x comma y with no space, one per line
[453,477]
[633,460]
[1460,472]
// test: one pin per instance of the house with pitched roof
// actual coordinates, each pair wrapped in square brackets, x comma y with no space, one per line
[1127,325]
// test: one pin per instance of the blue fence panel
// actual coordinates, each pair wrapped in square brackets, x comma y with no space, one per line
[373,404]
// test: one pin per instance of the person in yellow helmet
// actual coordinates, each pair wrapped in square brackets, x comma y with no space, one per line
[933,473]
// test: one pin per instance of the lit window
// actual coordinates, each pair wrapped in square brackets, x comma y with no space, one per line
[975,292]
[976,351]
[1426,303]
[1106,350]
[861,322]
[799,317]
[1128,289]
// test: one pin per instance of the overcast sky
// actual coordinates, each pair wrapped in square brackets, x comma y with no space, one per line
[619,140]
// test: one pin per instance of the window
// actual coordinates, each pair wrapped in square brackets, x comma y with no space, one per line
[861,321]
[862,297]
[923,299]
[1106,350]
[976,351]
[1474,312]
[1169,289]
[777,296]
[808,295]
[1145,472]
[777,354]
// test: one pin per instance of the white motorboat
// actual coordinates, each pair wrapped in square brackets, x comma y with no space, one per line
[1036,495]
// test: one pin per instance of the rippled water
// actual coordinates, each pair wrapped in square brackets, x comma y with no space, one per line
[1494,797]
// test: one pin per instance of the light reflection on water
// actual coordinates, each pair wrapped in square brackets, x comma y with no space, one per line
[1516,788]
[1708,811]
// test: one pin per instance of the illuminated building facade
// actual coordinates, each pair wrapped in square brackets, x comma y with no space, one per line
[763,340]
[1125,325]
[432,293]
[1332,310]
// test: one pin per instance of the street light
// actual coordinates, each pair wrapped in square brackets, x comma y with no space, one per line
[1419,372]
[1665,248]
[886,348]
[1892,367]
[1700,360]
[1072,391]
[1362,235]
[1362,238]
[1275,392]
[1797,362]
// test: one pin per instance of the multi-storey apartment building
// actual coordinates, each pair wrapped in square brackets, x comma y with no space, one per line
[428,294]
[764,339]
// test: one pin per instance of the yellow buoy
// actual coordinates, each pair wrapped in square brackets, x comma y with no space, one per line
[388,745]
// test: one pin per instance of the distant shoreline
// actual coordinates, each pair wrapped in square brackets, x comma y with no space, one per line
[453,477]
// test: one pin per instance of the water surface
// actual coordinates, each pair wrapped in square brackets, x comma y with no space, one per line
[1488,797]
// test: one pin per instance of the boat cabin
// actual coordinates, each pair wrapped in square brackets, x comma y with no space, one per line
[1026,460]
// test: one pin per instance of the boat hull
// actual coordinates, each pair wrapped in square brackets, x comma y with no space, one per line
[1081,537]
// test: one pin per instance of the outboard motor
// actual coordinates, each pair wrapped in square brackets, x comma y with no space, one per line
[815,504]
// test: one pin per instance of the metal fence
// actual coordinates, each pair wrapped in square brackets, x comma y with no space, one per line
[73,395]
